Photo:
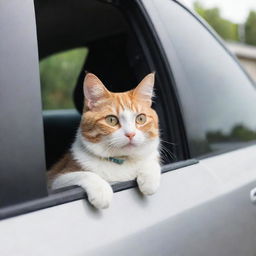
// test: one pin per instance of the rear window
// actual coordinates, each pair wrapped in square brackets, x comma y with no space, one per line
[218,99]
[58,75]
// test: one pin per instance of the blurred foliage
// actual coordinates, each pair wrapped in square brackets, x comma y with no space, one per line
[58,75]
[250,28]
[225,28]
[238,133]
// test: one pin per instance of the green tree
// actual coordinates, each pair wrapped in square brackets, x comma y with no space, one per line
[58,75]
[250,28]
[242,133]
[225,28]
[238,133]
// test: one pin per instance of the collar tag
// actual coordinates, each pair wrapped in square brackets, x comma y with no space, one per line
[115,160]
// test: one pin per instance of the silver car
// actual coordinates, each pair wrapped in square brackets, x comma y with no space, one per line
[207,109]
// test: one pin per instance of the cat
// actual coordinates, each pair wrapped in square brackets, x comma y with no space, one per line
[117,140]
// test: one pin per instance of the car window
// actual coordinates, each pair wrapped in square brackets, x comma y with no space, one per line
[58,75]
[217,97]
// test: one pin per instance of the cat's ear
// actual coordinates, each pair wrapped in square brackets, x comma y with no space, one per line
[94,91]
[145,89]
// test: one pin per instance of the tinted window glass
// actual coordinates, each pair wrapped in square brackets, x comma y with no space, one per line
[218,100]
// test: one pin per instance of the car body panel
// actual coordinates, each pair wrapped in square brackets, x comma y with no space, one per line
[201,209]
[21,129]
[193,204]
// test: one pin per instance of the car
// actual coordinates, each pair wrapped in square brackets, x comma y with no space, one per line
[206,105]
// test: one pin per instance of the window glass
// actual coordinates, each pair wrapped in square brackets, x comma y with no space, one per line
[218,99]
[58,75]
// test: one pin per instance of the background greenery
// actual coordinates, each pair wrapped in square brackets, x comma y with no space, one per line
[58,75]
[228,30]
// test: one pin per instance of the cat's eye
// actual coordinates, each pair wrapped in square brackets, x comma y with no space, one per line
[112,120]
[141,119]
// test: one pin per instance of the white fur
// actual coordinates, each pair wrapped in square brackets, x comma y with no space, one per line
[98,190]
[141,162]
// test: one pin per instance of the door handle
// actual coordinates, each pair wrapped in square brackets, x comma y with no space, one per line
[253,195]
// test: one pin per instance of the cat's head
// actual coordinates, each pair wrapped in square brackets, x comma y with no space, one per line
[117,124]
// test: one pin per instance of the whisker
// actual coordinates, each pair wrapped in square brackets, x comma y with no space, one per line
[173,144]
[163,156]
[165,150]
[174,157]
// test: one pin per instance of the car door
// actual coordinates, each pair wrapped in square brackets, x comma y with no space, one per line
[218,104]
[203,205]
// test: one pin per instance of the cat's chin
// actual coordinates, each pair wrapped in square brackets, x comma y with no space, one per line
[130,146]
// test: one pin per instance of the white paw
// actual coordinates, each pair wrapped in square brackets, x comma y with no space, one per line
[98,190]
[100,194]
[148,183]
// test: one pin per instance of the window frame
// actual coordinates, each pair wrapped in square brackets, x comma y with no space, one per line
[22,174]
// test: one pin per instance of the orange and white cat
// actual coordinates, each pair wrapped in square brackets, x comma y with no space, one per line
[117,140]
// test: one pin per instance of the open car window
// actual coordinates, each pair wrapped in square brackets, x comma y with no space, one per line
[114,54]
[120,45]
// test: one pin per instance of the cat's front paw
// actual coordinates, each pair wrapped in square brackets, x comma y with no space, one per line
[149,182]
[100,195]
[98,190]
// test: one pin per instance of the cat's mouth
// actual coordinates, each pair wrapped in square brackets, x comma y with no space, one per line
[130,145]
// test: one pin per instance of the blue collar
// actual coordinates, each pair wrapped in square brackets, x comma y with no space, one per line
[115,160]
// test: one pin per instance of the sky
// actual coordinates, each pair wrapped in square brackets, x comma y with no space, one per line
[234,10]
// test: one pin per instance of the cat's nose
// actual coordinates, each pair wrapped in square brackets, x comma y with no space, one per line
[130,135]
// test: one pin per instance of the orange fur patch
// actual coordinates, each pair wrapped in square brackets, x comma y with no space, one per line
[94,126]
[65,165]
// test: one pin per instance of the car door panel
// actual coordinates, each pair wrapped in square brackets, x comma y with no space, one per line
[208,229]
[193,204]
